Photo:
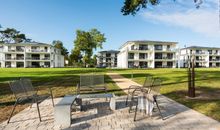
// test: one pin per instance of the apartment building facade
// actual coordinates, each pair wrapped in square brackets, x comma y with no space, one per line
[147,54]
[107,59]
[25,55]
[203,56]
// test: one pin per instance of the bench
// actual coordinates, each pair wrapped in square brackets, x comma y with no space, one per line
[62,110]
[91,83]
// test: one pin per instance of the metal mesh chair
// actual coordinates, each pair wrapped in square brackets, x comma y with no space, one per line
[155,90]
[23,90]
[31,91]
[147,85]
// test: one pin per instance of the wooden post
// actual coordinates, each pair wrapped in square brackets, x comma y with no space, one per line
[191,78]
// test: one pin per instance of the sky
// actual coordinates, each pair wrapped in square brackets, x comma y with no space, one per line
[179,21]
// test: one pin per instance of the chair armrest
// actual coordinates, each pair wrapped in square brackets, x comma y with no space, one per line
[133,87]
[78,89]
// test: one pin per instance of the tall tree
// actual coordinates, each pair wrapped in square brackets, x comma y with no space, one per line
[59,45]
[133,6]
[84,45]
[11,35]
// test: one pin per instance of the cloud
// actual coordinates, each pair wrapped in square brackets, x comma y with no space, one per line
[203,20]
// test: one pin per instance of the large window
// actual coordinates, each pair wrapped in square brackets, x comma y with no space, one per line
[143,64]
[158,55]
[142,56]
[143,47]
[158,47]
[170,55]
[169,64]
[130,64]
[20,64]
[130,55]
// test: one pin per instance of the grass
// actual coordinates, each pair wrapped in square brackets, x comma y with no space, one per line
[175,87]
[62,80]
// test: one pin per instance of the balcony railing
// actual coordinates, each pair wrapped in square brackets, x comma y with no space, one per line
[38,50]
[14,58]
[38,58]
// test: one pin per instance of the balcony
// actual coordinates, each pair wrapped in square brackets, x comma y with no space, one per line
[14,58]
[38,50]
[16,50]
[37,58]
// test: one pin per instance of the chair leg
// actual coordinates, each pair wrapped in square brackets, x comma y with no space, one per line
[126,103]
[135,114]
[51,94]
[131,104]
[12,112]
[38,110]
[158,108]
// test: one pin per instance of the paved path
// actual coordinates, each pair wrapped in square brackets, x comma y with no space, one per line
[98,116]
[122,82]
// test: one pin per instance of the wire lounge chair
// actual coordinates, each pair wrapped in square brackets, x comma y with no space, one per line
[151,94]
[23,90]
[147,85]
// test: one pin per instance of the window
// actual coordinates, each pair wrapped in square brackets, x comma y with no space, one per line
[210,51]
[170,55]
[158,55]
[142,56]
[143,47]
[130,64]
[143,64]
[158,47]
[132,47]
[130,55]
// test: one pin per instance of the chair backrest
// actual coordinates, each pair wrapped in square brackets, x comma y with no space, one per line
[86,80]
[156,86]
[98,80]
[91,80]
[148,82]
[18,89]
[27,85]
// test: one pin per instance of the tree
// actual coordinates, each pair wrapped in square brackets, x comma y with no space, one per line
[59,45]
[11,35]
[133,6]
[85,43]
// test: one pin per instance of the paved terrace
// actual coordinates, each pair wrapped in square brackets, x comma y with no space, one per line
[97,116]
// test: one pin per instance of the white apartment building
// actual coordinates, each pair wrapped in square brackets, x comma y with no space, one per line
[107,58]
[147,54]
[203,56]
[30,55]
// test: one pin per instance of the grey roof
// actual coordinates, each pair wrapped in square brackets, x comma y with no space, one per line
[28,43]
[109,51]
[200,47]
[148,41]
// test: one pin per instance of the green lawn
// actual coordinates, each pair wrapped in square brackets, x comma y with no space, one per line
[175,86]
[62,80]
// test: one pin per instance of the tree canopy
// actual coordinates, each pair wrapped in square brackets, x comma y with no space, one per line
[131,7]
[59,45]
[11,35]
[84,45]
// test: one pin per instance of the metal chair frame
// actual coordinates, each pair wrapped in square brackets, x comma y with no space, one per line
[24,90]
[147,85]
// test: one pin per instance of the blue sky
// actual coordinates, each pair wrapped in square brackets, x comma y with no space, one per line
[48,20]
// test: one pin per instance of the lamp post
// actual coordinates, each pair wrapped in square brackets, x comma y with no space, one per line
[191,74]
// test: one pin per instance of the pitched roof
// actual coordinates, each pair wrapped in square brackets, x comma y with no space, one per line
[28,43]
[147,41]
[200,47]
